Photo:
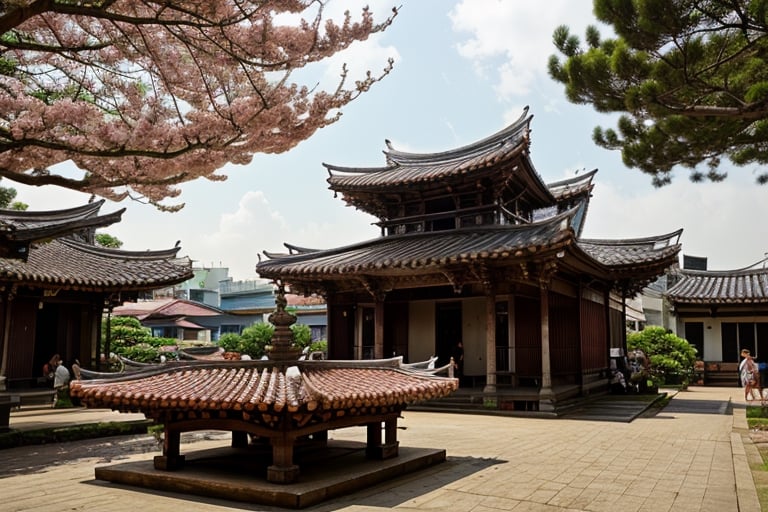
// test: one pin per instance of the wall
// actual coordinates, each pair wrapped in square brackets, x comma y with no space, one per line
[421,330]
[473,334]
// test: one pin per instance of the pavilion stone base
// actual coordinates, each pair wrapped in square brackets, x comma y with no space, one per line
[240,474]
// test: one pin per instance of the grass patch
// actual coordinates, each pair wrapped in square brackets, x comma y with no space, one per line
[14,438]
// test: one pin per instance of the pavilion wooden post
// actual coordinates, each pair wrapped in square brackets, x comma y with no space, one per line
[171,458]
[282,470]
[490,342]
[374,448]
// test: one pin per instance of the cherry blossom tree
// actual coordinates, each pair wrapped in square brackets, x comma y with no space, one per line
[144,95]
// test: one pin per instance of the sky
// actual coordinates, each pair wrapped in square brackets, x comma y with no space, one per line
[463,70]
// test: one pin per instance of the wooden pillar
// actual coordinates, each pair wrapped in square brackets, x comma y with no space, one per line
[490,342]
[546,395]
[374,448]
[378,327]
[171,458]
[282,470]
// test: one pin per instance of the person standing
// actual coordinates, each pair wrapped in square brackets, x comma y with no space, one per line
[749,375]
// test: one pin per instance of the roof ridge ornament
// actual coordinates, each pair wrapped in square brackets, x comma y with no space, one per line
[282,349]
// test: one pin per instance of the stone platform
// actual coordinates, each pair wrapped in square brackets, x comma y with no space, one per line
[239,474]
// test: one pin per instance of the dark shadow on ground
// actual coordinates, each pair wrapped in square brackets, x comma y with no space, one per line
[386,494]
[682,406]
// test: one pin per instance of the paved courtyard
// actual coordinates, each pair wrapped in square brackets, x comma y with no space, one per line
[690,457]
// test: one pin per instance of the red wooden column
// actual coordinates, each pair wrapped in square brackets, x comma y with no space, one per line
[546,395]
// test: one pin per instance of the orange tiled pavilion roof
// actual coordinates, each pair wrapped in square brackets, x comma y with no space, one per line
[261,392]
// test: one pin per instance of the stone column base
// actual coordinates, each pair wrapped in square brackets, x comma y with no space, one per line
[282,474]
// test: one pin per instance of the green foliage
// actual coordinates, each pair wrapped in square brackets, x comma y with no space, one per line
[255,338]
[302,335]
[319,346]
[8,194]
[135,342]
[230,342]
[690,79]
[670,357]
[107,240]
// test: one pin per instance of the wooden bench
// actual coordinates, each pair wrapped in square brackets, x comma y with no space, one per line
[721,374]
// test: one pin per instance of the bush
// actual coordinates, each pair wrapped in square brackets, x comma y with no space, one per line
[230,342]
[671,358]
[302,335]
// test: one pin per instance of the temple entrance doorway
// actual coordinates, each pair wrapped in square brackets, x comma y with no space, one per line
[448,327]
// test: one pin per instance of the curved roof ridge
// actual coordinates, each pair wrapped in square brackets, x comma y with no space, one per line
[355,170]
[120,253]
[582,179]
[86,210]
[500,137]
[633,241]
[739,271]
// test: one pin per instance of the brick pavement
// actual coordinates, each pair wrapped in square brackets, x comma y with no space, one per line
[690,457]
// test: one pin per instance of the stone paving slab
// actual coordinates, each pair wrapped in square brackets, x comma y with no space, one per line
[684,458]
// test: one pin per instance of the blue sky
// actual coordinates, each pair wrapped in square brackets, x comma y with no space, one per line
[463,70]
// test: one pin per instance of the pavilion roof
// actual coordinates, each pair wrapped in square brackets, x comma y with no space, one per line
[69,264]
[251,390]
[744,286]
[407,171]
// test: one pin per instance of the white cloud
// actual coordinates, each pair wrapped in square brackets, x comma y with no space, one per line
[510,42]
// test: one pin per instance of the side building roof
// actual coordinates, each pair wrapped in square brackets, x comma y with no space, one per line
[745,286]
[52,249]
[68,264]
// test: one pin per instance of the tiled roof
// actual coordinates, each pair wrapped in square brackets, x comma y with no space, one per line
[165,309]
[632,251]
[411,168]
[251,389]
[36,225]
[418,251]
[63,263]
[747,286]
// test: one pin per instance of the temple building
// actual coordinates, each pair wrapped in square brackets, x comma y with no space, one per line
[721,312]
[55,283]
[476,248]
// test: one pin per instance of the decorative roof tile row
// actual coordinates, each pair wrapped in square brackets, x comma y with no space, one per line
[749,286]
[70,264]
[244,390]
[416,251]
